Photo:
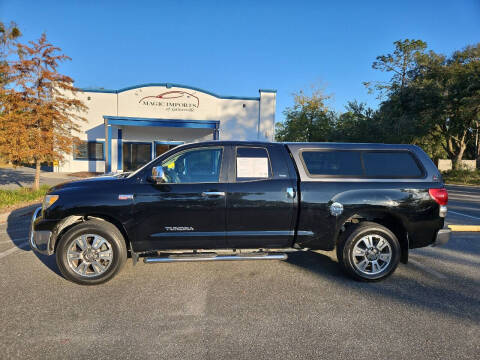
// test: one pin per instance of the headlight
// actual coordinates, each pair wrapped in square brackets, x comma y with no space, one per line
[49,200]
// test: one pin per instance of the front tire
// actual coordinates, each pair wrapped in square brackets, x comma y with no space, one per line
[91,252]
[369,252]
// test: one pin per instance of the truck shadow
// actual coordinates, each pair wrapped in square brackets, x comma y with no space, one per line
[18,229]
[450,293]
[446,282]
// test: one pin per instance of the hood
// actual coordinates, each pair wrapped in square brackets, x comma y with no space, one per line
[87,182]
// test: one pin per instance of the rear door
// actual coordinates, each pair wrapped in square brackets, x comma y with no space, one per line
[261,198]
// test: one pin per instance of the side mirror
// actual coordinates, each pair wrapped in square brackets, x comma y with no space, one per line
[158,175]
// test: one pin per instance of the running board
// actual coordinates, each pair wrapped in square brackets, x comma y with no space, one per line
[209,257]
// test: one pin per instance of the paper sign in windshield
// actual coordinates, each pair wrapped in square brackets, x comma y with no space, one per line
[252,167]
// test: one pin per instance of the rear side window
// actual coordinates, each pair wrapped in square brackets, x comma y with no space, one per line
[252,163]
[395,164]
[369,164]
[339,163]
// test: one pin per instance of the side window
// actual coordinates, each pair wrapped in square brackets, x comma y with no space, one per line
[394,164]
[88,150]
[194,166]
[252,163]
[339,163]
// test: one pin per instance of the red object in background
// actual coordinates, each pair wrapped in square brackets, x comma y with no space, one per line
[439,195]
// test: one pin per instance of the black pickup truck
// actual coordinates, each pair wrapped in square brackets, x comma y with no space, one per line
[231,200]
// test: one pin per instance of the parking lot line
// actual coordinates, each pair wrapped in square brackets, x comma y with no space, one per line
[469,216]
[13,250]
[466,228]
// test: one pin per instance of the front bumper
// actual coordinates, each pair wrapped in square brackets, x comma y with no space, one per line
[40,239]
[442,238]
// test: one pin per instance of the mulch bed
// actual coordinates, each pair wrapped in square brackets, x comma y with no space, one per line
[85,174]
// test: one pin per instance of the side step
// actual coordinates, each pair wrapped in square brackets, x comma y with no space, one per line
[213,257]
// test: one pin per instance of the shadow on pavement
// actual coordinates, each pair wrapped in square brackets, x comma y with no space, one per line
[452,288]
[407,285]
[18,229]
[14,176]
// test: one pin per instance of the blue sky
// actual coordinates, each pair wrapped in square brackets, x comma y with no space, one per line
[237,47]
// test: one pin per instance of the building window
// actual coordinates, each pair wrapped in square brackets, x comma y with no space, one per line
[88,150]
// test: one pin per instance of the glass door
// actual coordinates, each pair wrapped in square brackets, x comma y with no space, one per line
[136,155]
[160,147]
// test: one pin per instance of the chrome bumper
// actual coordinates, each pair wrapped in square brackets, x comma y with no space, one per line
[39,240]
[442,238]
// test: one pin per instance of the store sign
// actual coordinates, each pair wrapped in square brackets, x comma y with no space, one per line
[175,101]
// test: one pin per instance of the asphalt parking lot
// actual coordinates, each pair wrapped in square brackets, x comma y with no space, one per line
[300,308]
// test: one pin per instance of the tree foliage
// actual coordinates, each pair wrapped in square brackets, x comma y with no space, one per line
[430,99]
[8,36]
[308,120]
[39,117]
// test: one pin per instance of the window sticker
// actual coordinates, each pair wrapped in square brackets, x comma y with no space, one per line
[248,167]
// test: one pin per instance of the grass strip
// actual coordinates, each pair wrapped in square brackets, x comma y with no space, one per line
[462,177]
[17,196]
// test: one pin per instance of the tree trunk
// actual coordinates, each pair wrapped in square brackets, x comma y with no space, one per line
[457,160]
[36,183]
[477,146]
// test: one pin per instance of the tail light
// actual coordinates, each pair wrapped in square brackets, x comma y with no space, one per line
[439,195]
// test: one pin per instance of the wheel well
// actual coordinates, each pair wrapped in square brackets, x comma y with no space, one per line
[73,220]
[391,222]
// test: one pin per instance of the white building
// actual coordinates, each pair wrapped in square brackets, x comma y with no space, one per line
[126,128]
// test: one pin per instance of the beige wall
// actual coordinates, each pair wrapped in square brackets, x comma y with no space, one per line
[239,118]
[446,164]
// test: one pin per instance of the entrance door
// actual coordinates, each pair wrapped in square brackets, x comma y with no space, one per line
[161,148]
[136,155]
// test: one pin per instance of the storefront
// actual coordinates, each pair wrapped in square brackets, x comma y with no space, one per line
[126,128]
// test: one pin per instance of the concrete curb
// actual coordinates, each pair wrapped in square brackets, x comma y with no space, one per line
[463,185]
[466,228]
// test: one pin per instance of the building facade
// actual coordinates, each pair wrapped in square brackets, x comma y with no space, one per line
[126,128]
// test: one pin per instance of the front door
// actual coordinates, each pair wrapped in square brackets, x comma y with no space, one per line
[187,211]
[136,155]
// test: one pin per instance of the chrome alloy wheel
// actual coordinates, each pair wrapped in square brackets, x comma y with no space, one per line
[371,254]
[90,255]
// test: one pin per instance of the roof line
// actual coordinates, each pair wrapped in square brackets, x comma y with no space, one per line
[170,85]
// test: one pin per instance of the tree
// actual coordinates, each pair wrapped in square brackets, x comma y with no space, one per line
[308,120]
[448,95]
[401,63]
[8,37]
[398,122]
[41,116]
[431,99]
[358,124]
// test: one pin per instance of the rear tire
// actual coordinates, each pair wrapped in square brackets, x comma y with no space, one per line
[91,252]
[368,251]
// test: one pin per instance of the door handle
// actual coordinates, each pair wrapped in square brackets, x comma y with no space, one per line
[213,193]
[291,193]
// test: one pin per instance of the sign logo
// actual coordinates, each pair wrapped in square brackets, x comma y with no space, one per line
[175,100]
